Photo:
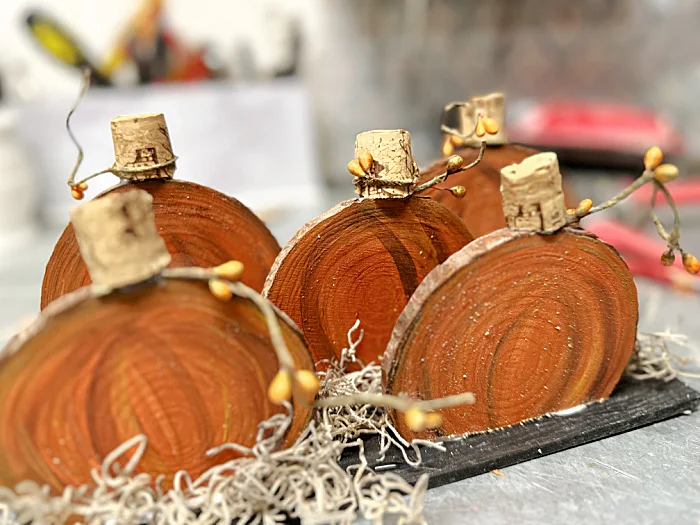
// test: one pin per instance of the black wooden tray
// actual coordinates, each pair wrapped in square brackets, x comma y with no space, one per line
[634,404]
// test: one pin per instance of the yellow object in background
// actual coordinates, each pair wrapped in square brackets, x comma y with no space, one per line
[61,45]
[57,43]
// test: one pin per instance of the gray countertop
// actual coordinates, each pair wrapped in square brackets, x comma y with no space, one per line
[651,475]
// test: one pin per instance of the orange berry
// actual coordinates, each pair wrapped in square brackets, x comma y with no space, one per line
[480,128]
[220,289]
[355,168]
[691,263]
[366,160]
[584,207]
[415,419]
[458,191]
[77,194]
[668,258]
[490,125]
[433,420]
[308,382]
[454,163]
[447,147]
[653,157]
[231,270]
[457,141]
[280,389]
[665,173]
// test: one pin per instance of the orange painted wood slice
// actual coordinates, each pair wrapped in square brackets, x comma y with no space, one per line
[530,323]
[361,260]
[200,226]
[166,359]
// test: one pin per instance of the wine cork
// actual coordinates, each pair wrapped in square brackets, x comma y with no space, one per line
[532,194]
[118,239]
[491,106]
[394,172]
[141,141]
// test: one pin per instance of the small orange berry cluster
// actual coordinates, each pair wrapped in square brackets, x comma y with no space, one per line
[229,271]
[666,173]
[484,125]
[690,262]
[581,210]
[285,383]
[454,164]
[78,191]
[362,165]
[662,172]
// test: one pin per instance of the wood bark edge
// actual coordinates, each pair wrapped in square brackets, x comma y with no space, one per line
[298,236]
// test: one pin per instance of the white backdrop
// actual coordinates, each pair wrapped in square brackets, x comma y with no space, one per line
[97,24]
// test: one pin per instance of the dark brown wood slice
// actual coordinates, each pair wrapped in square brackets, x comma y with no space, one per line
[530,323]
[361,260]
[166,359]
[201,227]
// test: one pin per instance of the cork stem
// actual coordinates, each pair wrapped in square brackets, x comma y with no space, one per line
[468,113]
[385,164]
[532,194]
[118,239]
[140,142]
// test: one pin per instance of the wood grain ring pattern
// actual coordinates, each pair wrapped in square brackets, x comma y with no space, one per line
[360,260]
[166,359]
[530,323]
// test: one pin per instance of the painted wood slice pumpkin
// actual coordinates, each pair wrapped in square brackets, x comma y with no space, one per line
[364,258]
[531,323]
[481,208]
[201,226]
[164,358]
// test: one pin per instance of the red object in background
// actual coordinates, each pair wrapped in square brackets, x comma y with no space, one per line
[189,65]
[684,191]
[642,253]
[580,125]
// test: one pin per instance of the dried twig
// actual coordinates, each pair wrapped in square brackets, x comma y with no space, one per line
[659,174]
[646,177]
[443,176]
[84,85]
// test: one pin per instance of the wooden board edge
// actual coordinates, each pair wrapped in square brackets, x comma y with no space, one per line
[668,400]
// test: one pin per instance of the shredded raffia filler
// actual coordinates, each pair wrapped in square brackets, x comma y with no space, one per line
[267,485]
[653,359]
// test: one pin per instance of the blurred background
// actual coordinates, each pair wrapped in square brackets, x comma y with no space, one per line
[264,98]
